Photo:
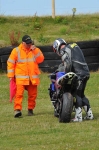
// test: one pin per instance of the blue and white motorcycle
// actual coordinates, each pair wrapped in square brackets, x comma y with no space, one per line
[62,92]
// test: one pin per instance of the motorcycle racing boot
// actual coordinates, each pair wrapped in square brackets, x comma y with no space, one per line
[89,114]
[78,115]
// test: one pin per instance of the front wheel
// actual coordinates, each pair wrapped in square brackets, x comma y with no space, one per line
[66,108]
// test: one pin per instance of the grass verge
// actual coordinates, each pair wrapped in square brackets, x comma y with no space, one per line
[43,131]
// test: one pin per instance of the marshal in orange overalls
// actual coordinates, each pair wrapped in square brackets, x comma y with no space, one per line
[22,65]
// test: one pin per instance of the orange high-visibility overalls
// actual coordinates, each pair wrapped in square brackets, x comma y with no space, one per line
[23,65]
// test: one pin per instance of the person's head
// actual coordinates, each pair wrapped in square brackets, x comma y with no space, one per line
[58,44]
[27,41]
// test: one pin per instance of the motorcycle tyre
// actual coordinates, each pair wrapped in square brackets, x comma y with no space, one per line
[66,108]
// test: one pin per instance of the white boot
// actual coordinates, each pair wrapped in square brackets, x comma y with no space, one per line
[78,115]
[89,114]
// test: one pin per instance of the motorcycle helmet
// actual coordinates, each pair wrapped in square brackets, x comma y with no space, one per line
[57,44]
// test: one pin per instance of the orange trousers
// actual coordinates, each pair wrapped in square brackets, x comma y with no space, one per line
[32,94]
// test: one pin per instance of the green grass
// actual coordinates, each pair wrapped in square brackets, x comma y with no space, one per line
[44,30]
[43,131]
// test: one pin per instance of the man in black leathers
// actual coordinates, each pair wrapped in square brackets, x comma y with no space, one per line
[74,61]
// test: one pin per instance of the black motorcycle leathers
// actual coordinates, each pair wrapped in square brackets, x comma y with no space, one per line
[74,61]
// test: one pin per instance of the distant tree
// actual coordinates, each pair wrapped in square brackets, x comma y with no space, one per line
[74,11]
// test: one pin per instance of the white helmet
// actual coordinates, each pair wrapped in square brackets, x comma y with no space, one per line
[57,44]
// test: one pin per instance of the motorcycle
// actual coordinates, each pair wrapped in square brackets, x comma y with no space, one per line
[62,92]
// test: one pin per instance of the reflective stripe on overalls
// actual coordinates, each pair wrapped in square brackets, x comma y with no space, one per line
[19,60]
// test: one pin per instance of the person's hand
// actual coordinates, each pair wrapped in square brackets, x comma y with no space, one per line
[32,47]
[12,78]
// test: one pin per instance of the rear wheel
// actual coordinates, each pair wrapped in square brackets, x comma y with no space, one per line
[66,108]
